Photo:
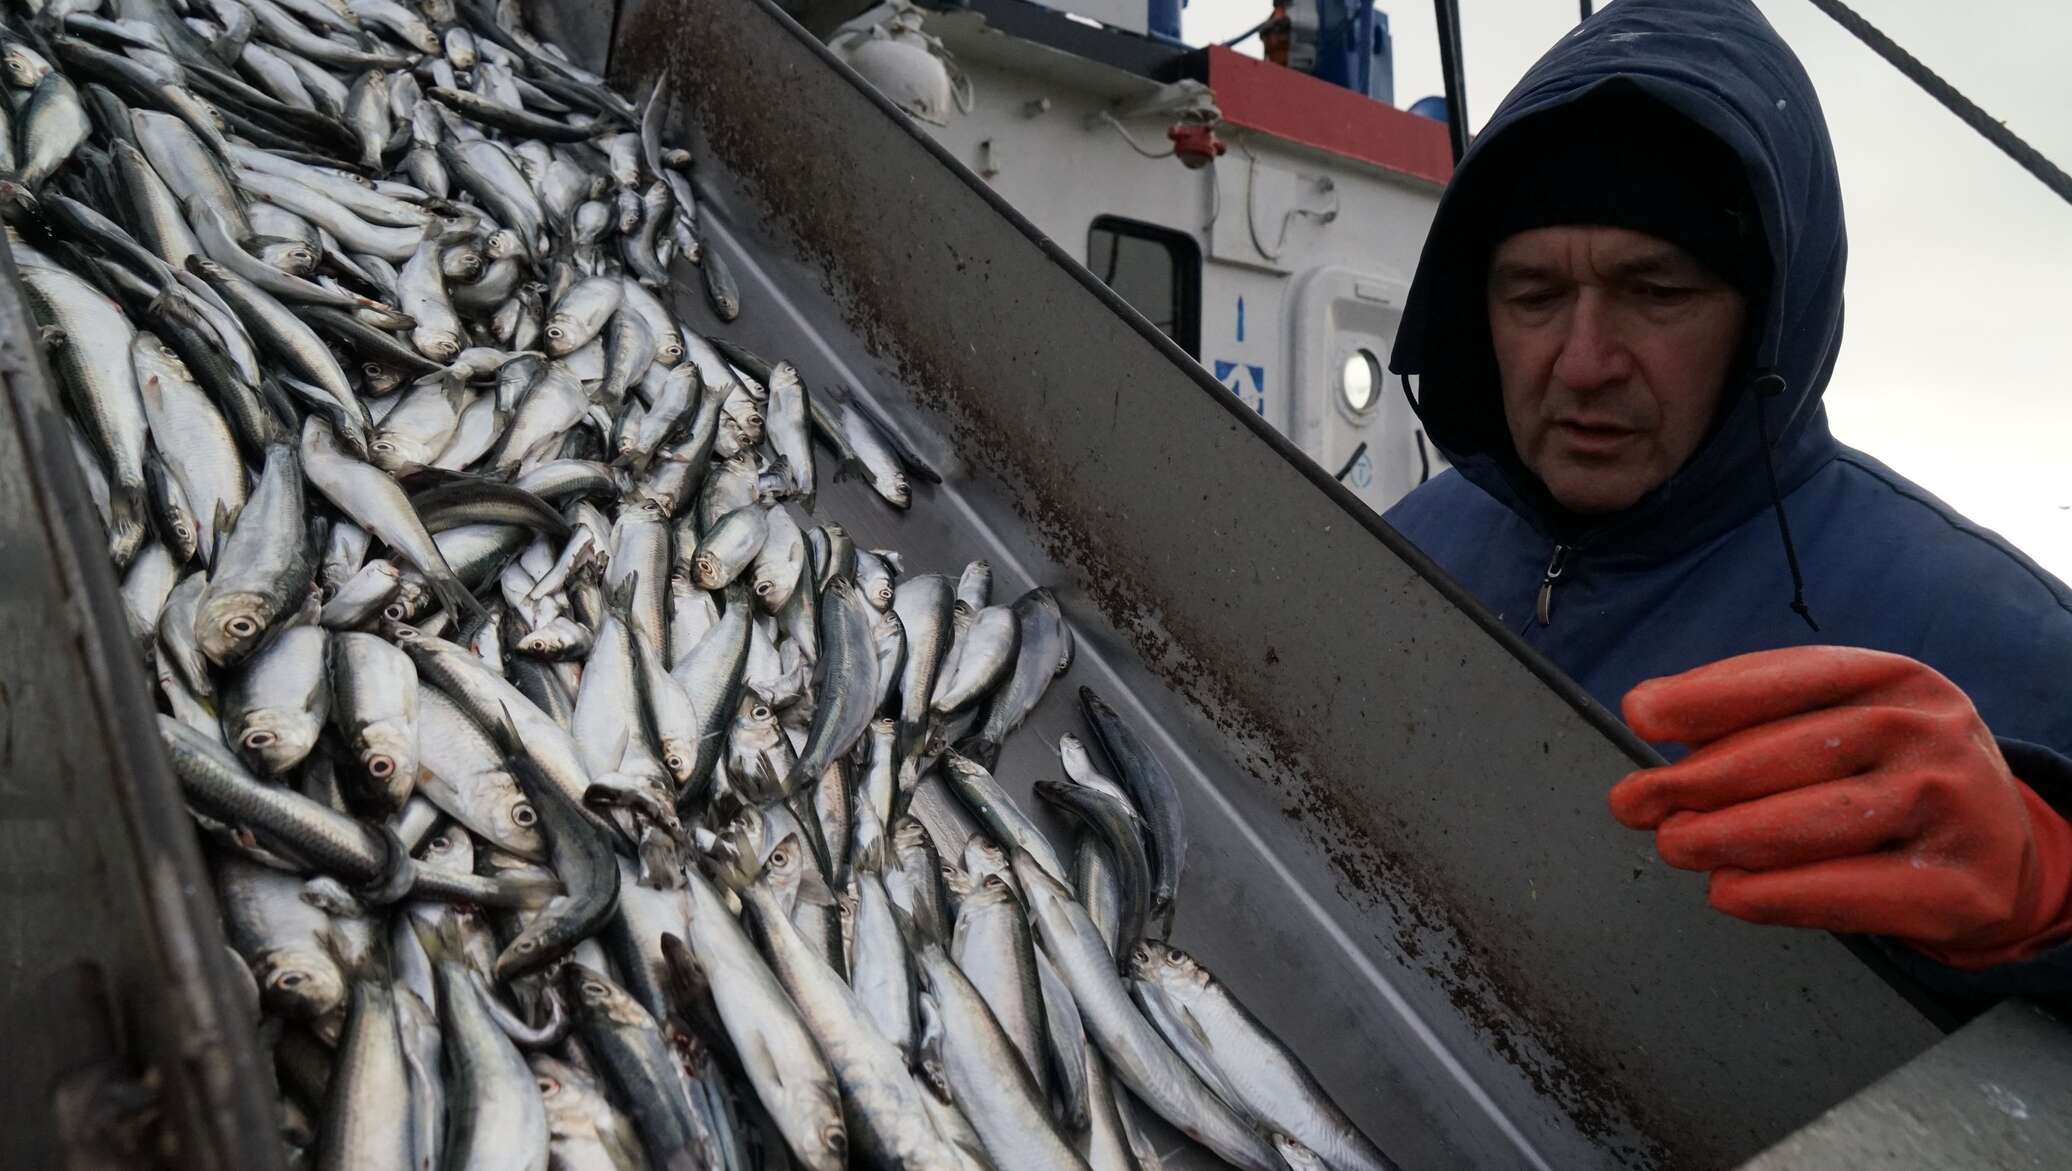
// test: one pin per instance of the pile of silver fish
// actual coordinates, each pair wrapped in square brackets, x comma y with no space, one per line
[573,797]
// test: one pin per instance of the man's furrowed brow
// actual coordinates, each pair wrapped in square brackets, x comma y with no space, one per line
[1656,264]
[1523,271]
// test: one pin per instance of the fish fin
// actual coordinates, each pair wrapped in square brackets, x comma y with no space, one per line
[928,1059]
[619,599]
[1183,1017]
[221,528]
[505,729]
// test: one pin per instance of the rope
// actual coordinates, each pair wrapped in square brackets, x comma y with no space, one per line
[1768,387]
[1967,111]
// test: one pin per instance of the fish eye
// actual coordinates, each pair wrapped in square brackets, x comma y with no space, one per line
[383,445]
[393,612]
[835,1139]
[593,989]
[675,763]
[403,633]
[241,627]
[765,588]
[524,816]
[759,713]
[548,1086]
[780,857]
[259,739]
[526,944]
[440,843]
[289,980]
[556,332]
[372,370]
[380,767]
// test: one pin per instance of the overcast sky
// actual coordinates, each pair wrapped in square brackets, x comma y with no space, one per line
[1956,364]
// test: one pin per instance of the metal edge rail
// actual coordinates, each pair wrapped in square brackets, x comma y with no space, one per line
[119,983]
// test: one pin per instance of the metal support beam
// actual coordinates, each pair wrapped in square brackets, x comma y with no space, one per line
[1448,14]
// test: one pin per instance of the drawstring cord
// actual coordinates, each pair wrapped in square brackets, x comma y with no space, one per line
[1769,386]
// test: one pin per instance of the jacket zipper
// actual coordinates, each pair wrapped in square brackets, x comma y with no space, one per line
[1554,567]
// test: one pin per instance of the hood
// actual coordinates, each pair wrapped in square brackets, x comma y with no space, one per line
[1718,64]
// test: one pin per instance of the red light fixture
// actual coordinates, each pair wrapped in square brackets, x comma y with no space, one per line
[1195,144]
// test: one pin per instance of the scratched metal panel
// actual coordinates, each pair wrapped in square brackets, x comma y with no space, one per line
[1997,1093]
[103,899]
[1403,857]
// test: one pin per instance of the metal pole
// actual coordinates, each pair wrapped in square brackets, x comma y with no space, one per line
[1448,13]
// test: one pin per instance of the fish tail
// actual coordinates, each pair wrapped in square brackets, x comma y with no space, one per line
[734,863]
[982,750]
[127,522]
[457,598]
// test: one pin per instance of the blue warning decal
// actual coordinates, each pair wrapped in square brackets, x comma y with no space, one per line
[1246,381]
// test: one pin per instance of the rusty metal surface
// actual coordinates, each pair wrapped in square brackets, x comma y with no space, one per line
[1404,861]
[101,883]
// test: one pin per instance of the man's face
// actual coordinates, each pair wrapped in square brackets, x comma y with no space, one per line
[1613,349]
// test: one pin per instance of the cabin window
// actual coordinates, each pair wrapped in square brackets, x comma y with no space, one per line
[1157,270]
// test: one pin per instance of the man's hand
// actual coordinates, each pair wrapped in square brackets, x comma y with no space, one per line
[1854,791]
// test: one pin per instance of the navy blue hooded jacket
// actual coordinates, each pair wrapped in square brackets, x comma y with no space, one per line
[1696,570]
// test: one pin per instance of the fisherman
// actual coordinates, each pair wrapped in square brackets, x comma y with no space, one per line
[1619,332]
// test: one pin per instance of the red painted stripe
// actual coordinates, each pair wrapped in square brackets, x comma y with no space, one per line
[1272,99]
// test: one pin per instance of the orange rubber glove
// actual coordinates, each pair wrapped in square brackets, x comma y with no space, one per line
[1854,791]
